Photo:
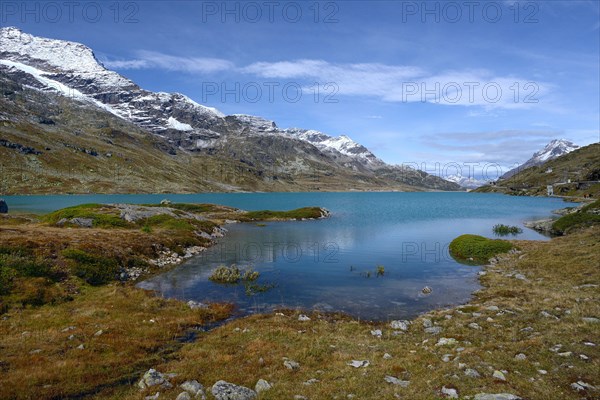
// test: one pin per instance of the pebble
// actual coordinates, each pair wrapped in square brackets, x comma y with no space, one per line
[474,325]
[520,357]
[359,363]
[542,372]
[387,356]
[472,373]
[395,381]
[262,386]
[449,393]
[446,342]
[402,325]
[291,364]
[584,357]
[303,318]
[376,333]
[446,357]
[311,381]
[499,375]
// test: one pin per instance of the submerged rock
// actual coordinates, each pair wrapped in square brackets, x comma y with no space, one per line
[3,207]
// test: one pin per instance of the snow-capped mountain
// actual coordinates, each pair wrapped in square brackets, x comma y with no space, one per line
[552,150]
[71,71]
[466,182]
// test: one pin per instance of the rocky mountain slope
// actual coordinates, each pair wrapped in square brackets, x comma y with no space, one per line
[552,150]
[576,173]
[68,124]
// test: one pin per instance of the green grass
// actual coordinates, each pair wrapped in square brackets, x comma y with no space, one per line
[300,213]
[505,230]
[188,207]
[587,216]
[95,270]
[477,249]
[233,275]
[98,213]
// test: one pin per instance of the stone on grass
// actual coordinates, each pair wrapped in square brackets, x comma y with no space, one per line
[446,342]
[395,381]
[499,396]
[194,388]
[474,325]
[303,318]
[359,363]
[520,357]
[376,333]
[228,391]
[184,396]
[449,393]
[291,364]
[581,386]
[402,325]
[387,356]
[153,378]
[591,320]
[472,373]
[262,386]
[499,375]
[434,330]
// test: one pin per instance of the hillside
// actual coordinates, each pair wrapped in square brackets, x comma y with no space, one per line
[574,174]
[69,125]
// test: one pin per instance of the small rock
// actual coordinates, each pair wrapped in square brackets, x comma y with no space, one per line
[99,333]
[474,325]
[449,393]
[195,305]
[520,277]
[262,386]
[472,373]
[194,388]
[565,354]
[426,290]
[546,314]
[542,372]
[311,381]
[590,320]
[527,329]
[584,357]
[376,332]
[493,308]
[152,378]
[580,386]
[520,357]
[291,364]
[359,363]
[402,325]
[427,323]
[303,318]
[228,391]
[446,342]
[3,207]
[387,356]
[499,375]
[81,347]
[446,358]
[184,396]
[69,328]
[395,381]
[155,396]
[299,397]
[434,330]
[499,396]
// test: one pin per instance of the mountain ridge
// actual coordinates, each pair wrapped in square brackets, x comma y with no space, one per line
[554,149]
[183,127]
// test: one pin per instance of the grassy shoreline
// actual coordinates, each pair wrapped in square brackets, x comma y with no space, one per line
[533,300]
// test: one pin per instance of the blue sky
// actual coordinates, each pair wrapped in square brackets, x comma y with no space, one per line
[416,82]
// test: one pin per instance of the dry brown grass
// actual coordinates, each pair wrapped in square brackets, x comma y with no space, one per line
[113,361]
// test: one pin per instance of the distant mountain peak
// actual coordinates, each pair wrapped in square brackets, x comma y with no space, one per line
[554,149]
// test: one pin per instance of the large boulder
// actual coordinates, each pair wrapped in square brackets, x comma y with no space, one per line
[228,391]
[3,207]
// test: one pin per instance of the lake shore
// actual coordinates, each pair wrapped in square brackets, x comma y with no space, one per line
[537,312]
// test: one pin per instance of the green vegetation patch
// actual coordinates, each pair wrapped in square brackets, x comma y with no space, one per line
[587,216]
[233,275]
[95,270]
[102,216]
[22,262]
[299,213]
[477,249]
[505,230]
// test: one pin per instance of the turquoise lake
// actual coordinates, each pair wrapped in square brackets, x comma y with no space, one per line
[331,264]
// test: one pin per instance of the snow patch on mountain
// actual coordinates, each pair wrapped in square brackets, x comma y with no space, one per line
[51,84]
[180,126]
[552,150]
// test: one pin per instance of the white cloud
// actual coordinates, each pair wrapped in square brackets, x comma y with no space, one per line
[390,83]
